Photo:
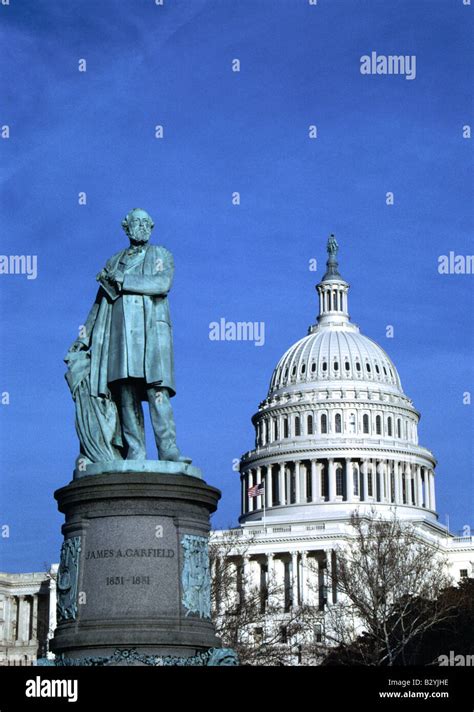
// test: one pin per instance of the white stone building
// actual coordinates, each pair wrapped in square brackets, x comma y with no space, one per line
[27,616]
[335,434]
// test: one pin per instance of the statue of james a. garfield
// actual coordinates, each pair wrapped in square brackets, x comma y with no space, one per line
[124,354]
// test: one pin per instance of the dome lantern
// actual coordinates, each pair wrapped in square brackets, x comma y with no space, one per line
[332,290]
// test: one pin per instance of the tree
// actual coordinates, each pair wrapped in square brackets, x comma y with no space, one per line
[451,635]
[390,581]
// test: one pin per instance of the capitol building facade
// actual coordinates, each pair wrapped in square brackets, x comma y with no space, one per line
[335,435]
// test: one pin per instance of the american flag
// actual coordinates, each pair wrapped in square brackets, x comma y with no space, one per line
[256,490]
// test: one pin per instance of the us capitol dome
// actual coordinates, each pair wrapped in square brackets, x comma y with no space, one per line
[336,432]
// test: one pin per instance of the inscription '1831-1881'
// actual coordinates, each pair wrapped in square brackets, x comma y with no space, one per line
[129,553]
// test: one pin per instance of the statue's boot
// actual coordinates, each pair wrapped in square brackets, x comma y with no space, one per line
[162,419]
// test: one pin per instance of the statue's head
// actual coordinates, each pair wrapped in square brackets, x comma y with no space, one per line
[138,226]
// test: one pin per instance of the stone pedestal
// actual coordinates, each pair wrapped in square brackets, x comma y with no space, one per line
[133,583]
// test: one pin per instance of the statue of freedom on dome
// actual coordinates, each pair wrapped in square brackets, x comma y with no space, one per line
[124,354]
[332,246]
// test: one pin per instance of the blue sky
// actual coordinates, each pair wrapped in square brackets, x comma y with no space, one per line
[230,131]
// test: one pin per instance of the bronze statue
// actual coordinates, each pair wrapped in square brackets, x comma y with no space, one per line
[124,354]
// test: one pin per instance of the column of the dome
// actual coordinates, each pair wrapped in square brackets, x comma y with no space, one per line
[381,475]
[296,466]
[379,492]
[304,483]
[365,479]
[432,491]
[388,488]
[331,480]
[404,483]
[408,475]
[419,487]
[282,483]
[252,500]
[319,477]
[269,486]
[349,480]
[258,499]
[427,489]
[315,484]
[386,484]
[314,490]
[388,480]
[393,473]
[398,482]
[370,477]
[247,481]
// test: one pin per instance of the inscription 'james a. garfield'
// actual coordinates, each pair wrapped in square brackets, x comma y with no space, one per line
[127,553]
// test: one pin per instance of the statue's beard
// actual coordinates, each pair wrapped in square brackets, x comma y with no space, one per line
[140,236]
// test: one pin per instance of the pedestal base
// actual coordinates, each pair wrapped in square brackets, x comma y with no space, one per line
[133,581]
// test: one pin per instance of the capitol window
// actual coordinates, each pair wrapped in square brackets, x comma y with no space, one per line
[358,366]
[389,427]
[399,428]
[367,365]
[378,425]
[313,367]
[325,366]
[365,421]
[285,428]
[336,365]
[310,425]
[297,426]
[338,423]
[347,366]
[303,368]
[324,423]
